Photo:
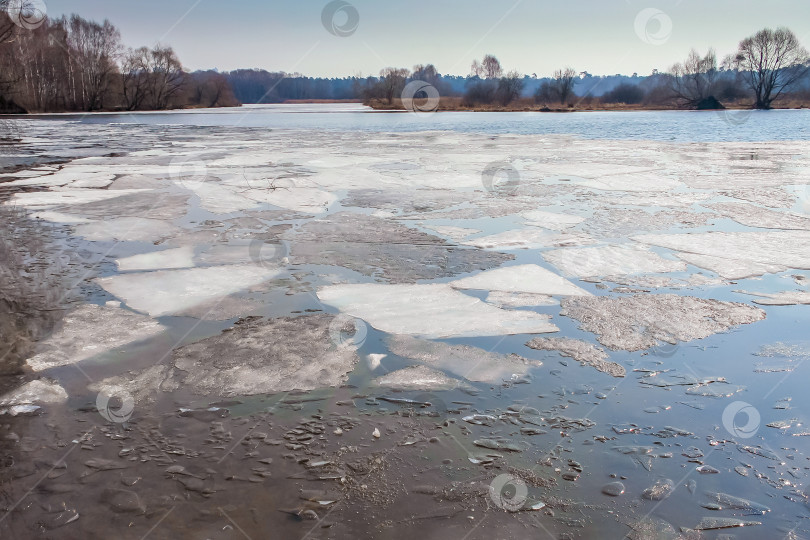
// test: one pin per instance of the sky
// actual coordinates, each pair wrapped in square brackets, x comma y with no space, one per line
[603,37]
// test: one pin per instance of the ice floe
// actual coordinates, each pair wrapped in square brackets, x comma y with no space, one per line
[90,330]
[525,278]
[25,398]
[127,229]
[168,292]
[471,363]
[612,260]
[551,220]
[46,200]
[583,352]
[432,311]
[374,246]
[789,249]
[182,257]
[641,321]
[419,378]
[529,238]
[239,361]
[785,298]
[510,300]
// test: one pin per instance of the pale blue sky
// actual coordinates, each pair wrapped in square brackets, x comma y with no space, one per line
[532,36]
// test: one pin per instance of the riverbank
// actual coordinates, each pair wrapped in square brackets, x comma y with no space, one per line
[457,104]
[474,333]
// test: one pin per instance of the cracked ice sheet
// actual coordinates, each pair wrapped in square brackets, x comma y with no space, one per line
[763,218]
[511,300]
[417,378]
[128,229]
[182,257]
[431,311]
[454,233]
[613,260]
[171,292]
[751,251]
[731,268]
[90,330]
[49,200]
[38,391]
[551,220]
[638,322]
[632,182]
[472,363]
[525,278]
[529,238]
[785,298]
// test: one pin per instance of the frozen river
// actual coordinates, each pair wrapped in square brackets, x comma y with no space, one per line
[325,322]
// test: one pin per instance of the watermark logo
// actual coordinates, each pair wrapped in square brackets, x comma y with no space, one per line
[501,178]
[508,492]
[340,18]
[115,404]
[731,419]
[420,97]
[653,26]
[188,171]
[28,14]
[347,331]
[266,253]
[735,117]
[663,349]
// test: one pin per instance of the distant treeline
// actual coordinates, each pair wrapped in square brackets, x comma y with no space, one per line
[261,86]
[767,67]
[72,64]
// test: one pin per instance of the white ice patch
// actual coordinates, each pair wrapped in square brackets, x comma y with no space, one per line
[529,238]
[512,300]
[785,298]
[167,292]
[525,278]
[416,378]
[127,229]
[632,182]
[44,200]
[58,217]
[454,233]
[182,257]
[219,199]
[551,220]
[789,249]
[432,311]
[90,330]
[38,391]
[307,200]
[731,268]
[613,260]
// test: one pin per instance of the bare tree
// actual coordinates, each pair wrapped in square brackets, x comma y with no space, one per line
[94,47]
[693,81]
[510,87]
[166,76]
[476,70]
[427,73]
[563,83]
[491,67]
[771,61]
[392,81]
[135,77]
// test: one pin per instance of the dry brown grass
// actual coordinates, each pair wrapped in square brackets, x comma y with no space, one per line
[590,104]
